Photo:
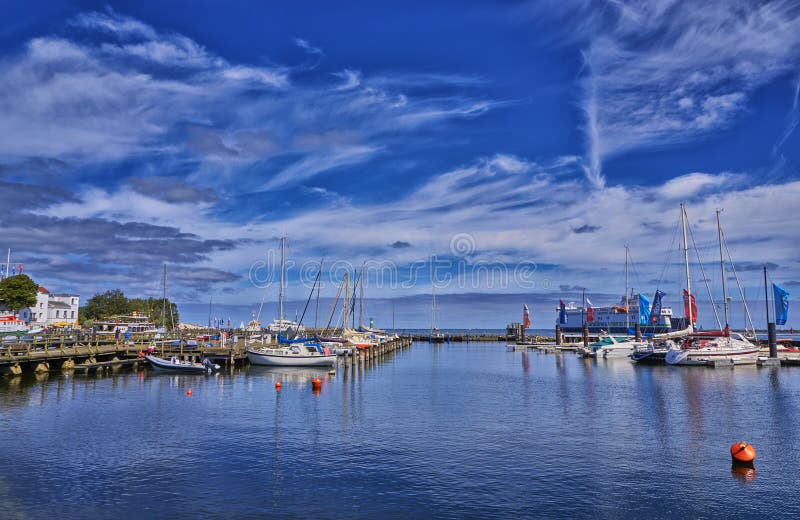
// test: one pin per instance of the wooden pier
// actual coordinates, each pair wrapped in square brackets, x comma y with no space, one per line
[86,354]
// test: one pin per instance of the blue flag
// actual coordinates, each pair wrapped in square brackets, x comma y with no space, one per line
[644,309]
[781,304]
[655,312]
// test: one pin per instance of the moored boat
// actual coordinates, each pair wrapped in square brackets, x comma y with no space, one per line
[297,355]
[702,347]
[177,365]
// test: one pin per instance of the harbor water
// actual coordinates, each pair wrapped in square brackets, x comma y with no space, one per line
[435,431]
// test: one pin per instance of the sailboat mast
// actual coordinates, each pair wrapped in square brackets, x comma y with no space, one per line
[316,312]
[280,289]
[722,270]
[164,301]
[8,262]
[433,308]
[361,300]
[766,295]
[686,261]
[346,307]
[627,303]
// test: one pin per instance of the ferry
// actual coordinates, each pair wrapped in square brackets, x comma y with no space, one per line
[135,323]
[11,323]
[279,326]
[613,319]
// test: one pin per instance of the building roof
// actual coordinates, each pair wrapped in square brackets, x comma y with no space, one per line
[57,305]
[43,290]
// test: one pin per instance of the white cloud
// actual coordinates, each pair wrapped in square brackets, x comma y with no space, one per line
[665,72]
[350,79]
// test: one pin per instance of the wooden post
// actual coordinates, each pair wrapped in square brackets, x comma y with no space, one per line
[585,335]
[558,335]
[638,331]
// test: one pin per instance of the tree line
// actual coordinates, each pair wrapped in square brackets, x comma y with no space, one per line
[114,303]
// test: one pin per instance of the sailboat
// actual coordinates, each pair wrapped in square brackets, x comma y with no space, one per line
[293,353]
[174,364]
[609,346]
[436,335]
[699,348]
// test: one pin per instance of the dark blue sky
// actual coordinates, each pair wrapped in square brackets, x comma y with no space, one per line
[487,133]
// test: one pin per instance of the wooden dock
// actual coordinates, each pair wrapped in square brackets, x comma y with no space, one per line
[84,354]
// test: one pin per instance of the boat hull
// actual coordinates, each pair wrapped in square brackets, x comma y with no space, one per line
[289,360]
[704,356]
[162,365]
[650,357]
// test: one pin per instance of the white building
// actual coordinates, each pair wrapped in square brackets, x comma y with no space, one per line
[52,309]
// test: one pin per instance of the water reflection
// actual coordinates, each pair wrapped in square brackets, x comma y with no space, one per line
[744,473]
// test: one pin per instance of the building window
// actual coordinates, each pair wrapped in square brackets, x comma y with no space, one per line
[41,305]
[57,312]
[73,314]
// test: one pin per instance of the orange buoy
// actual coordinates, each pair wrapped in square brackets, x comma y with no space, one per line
[277,385]
[316,384]
[743,452]
[189,392]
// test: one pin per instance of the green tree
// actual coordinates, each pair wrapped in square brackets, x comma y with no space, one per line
[18,292]
[105,305]
[154,307]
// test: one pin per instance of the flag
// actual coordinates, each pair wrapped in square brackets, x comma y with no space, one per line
[562,312]
[644,309]
[689,301]
[655,311]
[589,314]
[588,302]
[781,304]
[526,318]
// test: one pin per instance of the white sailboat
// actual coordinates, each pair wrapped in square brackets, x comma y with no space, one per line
[300,354]
[436,335]
[700,348]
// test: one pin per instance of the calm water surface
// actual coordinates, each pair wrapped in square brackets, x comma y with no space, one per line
[453,431]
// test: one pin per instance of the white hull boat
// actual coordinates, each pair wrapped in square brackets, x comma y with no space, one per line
[702,350]
[293,356]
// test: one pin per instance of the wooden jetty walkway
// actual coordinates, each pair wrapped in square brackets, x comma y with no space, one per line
[85,353]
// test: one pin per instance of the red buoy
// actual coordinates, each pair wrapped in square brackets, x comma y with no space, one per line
[743,452]
[277,385]
[316,384]
[189,392]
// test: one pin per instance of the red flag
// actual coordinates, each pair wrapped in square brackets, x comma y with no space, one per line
[526,319]
[687,300]
[590,314]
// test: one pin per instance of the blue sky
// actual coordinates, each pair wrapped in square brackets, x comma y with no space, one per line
[520,144]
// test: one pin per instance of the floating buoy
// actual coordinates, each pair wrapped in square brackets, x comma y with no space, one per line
[277,385]
[316,384]
[189,392]
[742,452]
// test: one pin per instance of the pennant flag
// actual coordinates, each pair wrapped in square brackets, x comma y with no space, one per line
[644,309]
[526,318]
[588,302]
[562,312]
[781,304]
[689,306]
[655,311]
[590,314]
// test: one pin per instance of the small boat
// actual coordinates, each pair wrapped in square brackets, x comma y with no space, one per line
[610,347]
[176,365]
[297,355]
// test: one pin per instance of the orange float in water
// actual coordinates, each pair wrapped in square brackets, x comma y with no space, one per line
[189,392]
[743,452]
[277,385]
[316,384]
